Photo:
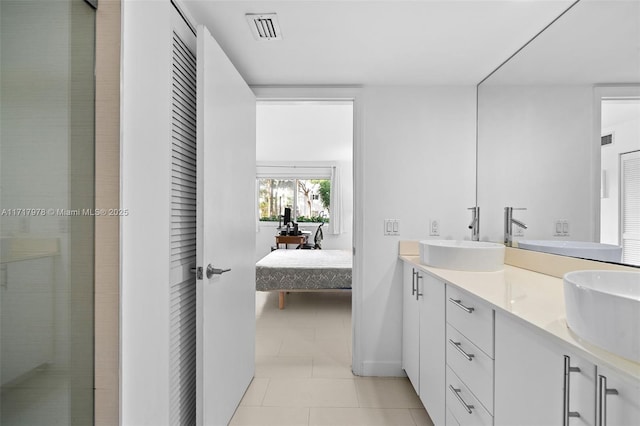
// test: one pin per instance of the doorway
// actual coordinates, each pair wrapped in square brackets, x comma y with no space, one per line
[297,145]
[301,135]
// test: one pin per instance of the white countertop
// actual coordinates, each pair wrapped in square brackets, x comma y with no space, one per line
[534,299]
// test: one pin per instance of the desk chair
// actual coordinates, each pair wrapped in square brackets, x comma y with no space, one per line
[317,240]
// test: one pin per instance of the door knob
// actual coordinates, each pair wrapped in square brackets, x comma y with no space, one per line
[211,271]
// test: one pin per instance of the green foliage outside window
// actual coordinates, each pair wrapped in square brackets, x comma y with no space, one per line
[309,199]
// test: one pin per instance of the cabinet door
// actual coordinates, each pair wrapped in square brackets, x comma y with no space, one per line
[410,328]
[620,406]
[530,380]
[432,346]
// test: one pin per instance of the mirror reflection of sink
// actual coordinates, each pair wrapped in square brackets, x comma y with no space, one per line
[582,249]
[603,308]
[476,256]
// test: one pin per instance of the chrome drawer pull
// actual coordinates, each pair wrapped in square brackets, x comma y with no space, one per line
[460,305]
[462,351]
[603,391]
[413,282]
[418,278]
[568,369]
[456,392]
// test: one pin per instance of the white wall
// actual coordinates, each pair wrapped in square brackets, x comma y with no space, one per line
[145,191]
[626,139]
[419,163]
[535,151]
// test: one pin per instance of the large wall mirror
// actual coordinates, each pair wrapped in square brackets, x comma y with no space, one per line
[559,135]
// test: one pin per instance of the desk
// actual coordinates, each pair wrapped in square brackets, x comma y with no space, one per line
[290,239]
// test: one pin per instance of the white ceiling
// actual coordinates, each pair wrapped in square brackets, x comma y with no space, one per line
[596,42]
[419,42]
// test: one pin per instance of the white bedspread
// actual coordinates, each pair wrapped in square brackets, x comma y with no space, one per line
[304,269]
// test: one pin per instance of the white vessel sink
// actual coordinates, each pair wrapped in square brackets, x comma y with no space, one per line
[462,255]
[603,308]
[582,249]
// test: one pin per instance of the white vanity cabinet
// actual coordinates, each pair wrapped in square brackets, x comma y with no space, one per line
[477,355]
[410,327]
[469,358]
[617,399]
[423,337]
[539,382]
[431,292]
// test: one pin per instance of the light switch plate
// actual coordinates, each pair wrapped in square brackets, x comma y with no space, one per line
[391,227]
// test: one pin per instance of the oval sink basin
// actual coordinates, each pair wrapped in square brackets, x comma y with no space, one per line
[603,308]
[582,249]
[462,255]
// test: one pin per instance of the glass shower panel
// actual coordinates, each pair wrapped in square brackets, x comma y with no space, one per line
[47,51]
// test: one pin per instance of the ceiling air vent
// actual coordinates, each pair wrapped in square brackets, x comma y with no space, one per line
[606,139]
[264,26]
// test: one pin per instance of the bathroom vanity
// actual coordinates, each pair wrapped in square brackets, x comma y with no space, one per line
[485,348]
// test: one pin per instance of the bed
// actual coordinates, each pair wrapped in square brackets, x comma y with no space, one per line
[303,270]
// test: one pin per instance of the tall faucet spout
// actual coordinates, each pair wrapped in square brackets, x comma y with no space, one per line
[520,224]
[509,220]
[475,223]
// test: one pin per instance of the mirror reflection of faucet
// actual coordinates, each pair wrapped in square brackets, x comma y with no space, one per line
[475,223]
[509,221]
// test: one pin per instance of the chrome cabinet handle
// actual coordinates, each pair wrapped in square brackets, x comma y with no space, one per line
[456,392]
[458,303]
[458,346]
[568,369]
[413,282]
[603,392]
[418,278]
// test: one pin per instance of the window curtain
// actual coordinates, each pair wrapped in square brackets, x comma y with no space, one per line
[335,224]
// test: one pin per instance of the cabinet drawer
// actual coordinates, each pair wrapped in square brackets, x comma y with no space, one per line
[463,404]
[471,317]
[476,372]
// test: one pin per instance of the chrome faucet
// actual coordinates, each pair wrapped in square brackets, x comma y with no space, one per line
[508,224]
[475,223]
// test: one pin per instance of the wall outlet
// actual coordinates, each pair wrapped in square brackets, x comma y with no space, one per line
[434,228]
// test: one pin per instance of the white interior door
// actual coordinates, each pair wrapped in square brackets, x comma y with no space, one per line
[226,114]
[630,206]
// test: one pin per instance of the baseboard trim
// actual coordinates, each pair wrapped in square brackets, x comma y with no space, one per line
[382,369]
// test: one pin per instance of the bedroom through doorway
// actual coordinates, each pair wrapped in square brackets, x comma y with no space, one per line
[304,171]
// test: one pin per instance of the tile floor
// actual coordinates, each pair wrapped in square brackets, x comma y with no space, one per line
[303,370]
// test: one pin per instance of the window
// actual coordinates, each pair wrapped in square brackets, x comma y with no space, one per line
[308,198]
[312,191]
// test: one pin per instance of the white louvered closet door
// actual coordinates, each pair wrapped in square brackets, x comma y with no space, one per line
[183,228]
[630,207]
